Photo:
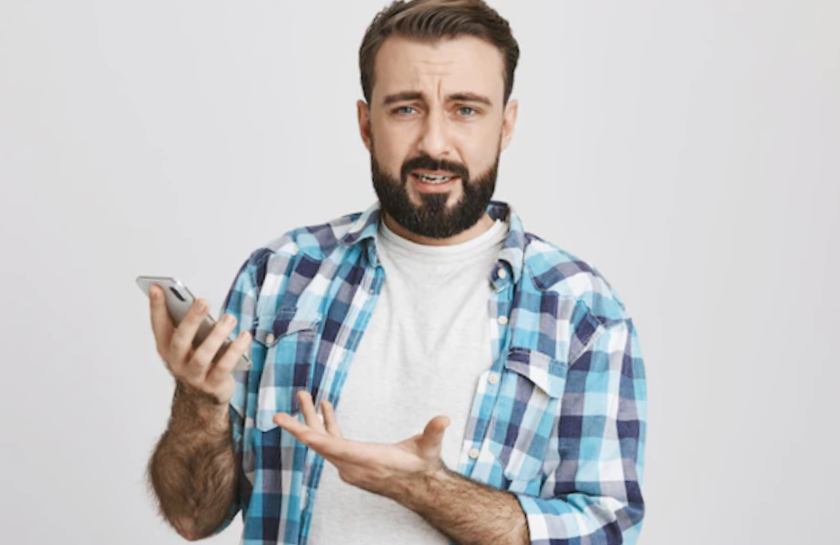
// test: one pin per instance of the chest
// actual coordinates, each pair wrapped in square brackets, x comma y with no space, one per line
[512,403]
[509,335]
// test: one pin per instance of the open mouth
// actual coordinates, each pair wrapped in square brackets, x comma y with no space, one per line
[428,182]
[433,179]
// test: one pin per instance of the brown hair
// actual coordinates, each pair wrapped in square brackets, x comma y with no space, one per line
[433,20]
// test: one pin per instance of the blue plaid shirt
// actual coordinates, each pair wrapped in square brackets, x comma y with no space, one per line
[558,420]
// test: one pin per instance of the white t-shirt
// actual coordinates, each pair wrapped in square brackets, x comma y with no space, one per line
[427,342]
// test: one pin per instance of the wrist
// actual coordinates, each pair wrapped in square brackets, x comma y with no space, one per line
[204,407]
[419,491]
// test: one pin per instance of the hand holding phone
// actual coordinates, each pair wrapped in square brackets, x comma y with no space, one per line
[196,349]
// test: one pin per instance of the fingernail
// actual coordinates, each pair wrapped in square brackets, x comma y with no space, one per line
[201,305]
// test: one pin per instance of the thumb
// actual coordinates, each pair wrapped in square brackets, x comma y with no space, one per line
[432,437]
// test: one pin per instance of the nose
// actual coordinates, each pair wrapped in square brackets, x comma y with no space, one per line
[435,140]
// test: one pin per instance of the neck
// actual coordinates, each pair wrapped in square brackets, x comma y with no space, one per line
[481,226]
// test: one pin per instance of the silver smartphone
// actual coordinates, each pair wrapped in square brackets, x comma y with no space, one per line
[179,300]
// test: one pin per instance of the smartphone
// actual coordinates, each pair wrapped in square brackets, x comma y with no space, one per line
[179,300]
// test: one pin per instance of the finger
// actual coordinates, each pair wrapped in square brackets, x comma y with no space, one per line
[307,407]
[184,335]
[301,431]
[291,424]
[162,325]
[430,442]
[337,449]
[330,419]
[227,363]
[207,350]
[331,448]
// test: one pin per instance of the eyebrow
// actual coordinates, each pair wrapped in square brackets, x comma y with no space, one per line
[416,95]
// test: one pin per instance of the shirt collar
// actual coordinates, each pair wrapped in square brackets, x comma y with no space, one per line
[513,248]
[364,227]
[511,257]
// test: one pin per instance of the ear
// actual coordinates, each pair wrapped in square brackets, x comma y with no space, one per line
[509,122]
[363,113]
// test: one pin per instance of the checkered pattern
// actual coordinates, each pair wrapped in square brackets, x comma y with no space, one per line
[558,420]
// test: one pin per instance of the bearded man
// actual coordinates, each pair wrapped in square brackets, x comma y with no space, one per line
[514,363]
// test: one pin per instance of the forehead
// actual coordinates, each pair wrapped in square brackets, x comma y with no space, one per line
[462,64]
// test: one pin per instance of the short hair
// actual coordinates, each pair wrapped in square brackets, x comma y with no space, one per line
[433,20]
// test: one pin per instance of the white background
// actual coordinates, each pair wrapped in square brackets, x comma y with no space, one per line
[688,150]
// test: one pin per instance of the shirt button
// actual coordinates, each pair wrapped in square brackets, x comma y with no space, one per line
[269,338]
[473,453]
[503,320]
[502,274]
[493,378]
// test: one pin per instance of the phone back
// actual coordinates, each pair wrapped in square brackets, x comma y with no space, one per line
[179,300]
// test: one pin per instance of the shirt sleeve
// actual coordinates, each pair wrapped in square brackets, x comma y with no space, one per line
[241,303]
[594,493]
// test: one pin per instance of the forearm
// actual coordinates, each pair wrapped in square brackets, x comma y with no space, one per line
[467,512]
[193,469]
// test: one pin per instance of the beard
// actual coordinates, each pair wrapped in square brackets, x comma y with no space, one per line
[433,218]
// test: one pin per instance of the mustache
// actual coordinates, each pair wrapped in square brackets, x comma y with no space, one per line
[426,162]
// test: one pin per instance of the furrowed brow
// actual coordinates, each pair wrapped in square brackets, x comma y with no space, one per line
[455,97]
[470,97]
[401,97]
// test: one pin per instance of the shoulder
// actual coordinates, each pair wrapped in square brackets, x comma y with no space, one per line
[554,270]
[300,249]
[315,241]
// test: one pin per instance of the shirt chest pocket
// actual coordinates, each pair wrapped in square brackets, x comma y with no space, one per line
[289,340]
[525,416]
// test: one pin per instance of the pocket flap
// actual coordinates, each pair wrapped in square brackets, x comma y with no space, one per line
[546,372]
[270,327]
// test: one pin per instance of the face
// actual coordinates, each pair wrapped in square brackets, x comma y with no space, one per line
[435,128]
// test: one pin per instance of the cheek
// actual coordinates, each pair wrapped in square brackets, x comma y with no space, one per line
[394,139]
[389,157]
[388,163]
[480,153]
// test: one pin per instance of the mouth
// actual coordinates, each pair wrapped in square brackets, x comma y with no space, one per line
[433,182]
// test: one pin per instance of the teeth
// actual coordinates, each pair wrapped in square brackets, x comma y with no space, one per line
[434,179]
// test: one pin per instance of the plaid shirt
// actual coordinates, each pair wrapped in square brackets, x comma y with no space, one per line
[558,420]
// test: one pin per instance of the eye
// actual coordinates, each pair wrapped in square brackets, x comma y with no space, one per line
[467,111]
[402,110]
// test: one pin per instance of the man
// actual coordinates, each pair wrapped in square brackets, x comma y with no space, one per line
[514,363]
